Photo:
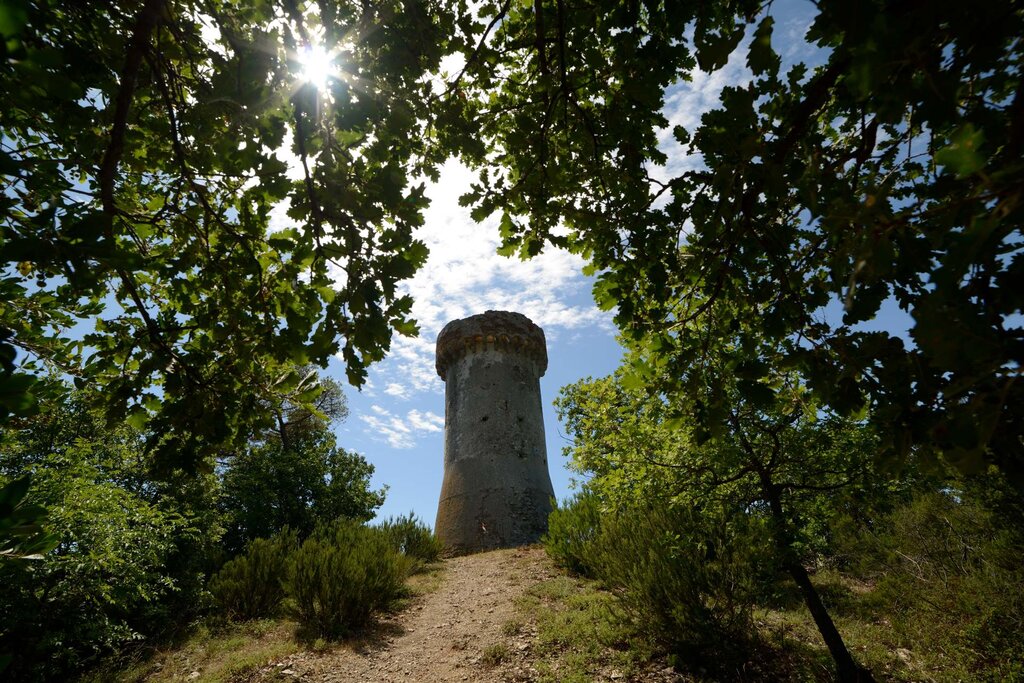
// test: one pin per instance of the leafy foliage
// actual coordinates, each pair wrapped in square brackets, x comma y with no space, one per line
[134,546]
[21,533]
[779,473]
[687,581]
[144,147]
[947,573]
[890,173]
[131,550]
[294,474]
[268,487]
[251,585]
[329,579]
[341,575]
[572,529]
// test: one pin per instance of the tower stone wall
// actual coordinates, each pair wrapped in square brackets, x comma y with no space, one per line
[496,491]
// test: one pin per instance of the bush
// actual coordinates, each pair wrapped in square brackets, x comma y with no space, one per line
[251,585]
[687,579]
[572,529]
[126,568]
[342,574]
[414,539]
[948,575]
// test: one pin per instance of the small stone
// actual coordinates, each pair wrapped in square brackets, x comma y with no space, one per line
[288,672]
[193,676]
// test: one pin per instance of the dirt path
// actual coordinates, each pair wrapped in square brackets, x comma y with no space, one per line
[442,636]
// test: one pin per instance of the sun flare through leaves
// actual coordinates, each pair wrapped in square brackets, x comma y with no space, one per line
[318,66]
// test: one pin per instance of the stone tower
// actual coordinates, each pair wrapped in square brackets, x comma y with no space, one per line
[496,492]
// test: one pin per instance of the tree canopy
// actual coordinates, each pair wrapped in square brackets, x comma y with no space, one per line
[144,149]
[189,224]
[787,469]
[890,173]
[141,156]
[295,475]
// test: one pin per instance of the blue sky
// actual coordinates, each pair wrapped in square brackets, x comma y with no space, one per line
[397,420]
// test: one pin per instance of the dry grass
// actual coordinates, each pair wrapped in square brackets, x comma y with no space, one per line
[234,652]
[580,633]
[209,655]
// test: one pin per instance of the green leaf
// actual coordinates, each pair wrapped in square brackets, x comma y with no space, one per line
[13,16]
[8,166]
[407,328]
[507,250]
[137,417]
[606,293]
[674,423]
[963,154]
[759,395]
[12,494]
[633,381]
[16,395]
[762,58]
[713,49]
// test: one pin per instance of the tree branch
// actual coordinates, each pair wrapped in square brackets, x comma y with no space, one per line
[479,46]
[145,23]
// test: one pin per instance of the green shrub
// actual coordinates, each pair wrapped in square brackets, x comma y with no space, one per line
[687,580]
[948,576]
[414,539]
[341,575]
[571,531]
[125,570]
[250,586]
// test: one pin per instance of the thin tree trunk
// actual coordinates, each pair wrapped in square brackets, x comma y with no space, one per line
[847,670]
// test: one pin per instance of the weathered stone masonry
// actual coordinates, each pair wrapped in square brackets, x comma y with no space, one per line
[496,492]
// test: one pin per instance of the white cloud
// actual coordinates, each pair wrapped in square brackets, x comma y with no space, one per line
[384,426]
[397,390]
[398,432]
[426,421]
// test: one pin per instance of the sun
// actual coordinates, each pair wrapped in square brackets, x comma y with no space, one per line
[317,66]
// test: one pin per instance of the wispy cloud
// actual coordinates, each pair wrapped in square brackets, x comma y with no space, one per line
[426,421]
[388,427]
[397,390]
[397,431]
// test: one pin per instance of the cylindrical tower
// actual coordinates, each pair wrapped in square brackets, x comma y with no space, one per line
[496,492]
